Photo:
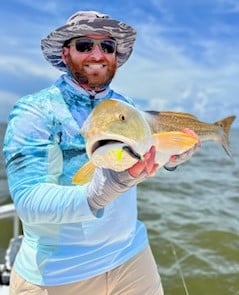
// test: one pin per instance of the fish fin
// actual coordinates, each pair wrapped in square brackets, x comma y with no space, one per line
[226,125]
[84,174]
[171,113]
[167,120]
[181,114]
[174,142]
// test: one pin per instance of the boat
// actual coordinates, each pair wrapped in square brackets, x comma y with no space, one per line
[8,211]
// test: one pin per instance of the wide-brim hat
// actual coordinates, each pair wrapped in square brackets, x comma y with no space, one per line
[85,23]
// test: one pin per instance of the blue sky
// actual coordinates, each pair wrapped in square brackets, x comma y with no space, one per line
[186,56]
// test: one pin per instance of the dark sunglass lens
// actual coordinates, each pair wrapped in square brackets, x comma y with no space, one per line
[108,46]
[84,45]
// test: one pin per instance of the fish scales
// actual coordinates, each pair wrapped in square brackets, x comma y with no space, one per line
[117,135]
[171,121]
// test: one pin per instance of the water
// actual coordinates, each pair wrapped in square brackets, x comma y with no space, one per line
[192,219]
[4,194]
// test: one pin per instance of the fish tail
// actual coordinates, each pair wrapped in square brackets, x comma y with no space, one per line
[225,124]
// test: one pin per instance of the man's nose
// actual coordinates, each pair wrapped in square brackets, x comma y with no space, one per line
[96,52]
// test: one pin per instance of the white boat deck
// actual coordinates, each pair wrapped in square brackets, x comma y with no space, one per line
[8,211]
[4,290]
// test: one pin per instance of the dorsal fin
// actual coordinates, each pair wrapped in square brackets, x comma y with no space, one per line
[171,113]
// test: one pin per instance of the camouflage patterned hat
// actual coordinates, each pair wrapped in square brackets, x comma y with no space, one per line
[85,23]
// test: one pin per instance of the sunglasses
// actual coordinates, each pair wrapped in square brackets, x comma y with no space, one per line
[86,45]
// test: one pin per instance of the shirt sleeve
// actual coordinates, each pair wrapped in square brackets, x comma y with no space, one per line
[34,163]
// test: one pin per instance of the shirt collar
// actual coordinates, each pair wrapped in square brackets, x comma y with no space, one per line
[82,91]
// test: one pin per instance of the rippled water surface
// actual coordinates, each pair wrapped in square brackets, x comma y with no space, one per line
[192,216]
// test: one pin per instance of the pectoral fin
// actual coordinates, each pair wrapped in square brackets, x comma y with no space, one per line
[174,142]
[84,174]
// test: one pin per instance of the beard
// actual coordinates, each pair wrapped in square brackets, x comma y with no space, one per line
[93,79]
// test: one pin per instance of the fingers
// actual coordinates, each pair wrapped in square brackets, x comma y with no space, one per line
[149,158]
[136,169]
[148,165]
[153,170]
[190,132]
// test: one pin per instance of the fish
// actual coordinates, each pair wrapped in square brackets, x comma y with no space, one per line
[117,135]
[171,121]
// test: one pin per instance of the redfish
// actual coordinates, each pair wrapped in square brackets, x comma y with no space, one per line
[117,135]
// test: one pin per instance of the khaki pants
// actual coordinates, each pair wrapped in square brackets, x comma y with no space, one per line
[138,276]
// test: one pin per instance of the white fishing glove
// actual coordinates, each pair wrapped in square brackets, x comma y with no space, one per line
[179,159]
[176,160]
[107,184]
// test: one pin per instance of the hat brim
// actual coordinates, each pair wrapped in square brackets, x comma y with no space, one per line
[123,34]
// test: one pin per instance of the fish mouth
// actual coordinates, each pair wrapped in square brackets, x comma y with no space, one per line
[103,142]
[127,148]
[131,152]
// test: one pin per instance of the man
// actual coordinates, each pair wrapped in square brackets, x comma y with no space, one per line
[77,239]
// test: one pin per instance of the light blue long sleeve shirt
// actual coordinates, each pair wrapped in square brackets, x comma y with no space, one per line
[64,241]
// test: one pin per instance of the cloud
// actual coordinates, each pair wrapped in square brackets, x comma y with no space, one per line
[7,100]
[49,6]
[19,66]
[166,74]
[228,6]
[180,62]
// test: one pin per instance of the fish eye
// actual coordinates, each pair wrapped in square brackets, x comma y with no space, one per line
[122,117]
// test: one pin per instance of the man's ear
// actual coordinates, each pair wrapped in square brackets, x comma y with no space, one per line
[65,51]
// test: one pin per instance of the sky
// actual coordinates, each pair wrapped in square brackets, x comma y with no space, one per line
[186,56]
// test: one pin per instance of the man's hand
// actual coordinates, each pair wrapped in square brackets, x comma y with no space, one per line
[107,184]
[147,166]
